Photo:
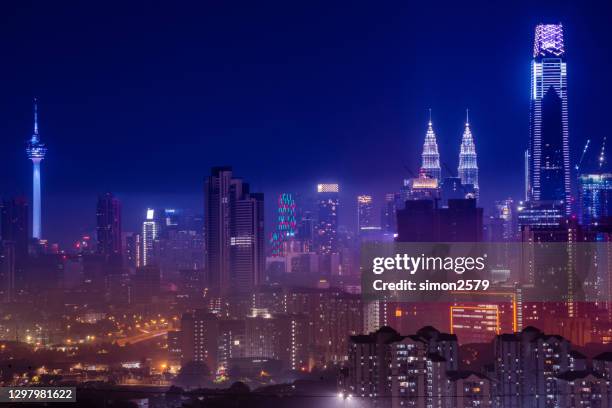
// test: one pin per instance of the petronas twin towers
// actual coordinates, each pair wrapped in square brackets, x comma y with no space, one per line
[468,166]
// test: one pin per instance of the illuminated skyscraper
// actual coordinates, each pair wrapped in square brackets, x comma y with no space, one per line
[327,222]
[468,166]
[286,226]
[149,235]
[108,228]
[431,157]
[234,228]
[595,196]
[549,171]
[365,216]
[36,152]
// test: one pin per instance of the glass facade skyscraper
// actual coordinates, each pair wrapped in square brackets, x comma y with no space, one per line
[327,222]
[595,197]
[549,168]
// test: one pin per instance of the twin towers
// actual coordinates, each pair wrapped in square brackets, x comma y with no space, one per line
[468,166]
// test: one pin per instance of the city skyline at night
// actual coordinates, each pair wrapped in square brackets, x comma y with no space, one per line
[291,205]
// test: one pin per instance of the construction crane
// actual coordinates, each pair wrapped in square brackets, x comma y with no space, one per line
[602,153]
[586,147]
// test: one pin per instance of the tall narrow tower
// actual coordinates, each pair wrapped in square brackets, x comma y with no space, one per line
[431,157]
[36,152]
[468,166]
[549,172]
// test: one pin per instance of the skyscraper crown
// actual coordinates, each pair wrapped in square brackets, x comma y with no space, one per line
[548,41]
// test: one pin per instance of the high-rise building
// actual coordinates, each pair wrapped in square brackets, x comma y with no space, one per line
[133,250]
[234,233]
[247,252]
[388,214]
[422,221]
[14,224]
[365,213]
[36,152]
[526,365]
[327,222]
[386,369]
[468,166]
[108,228]
[595,197]
[150,231]
[286,225]
[219,192]
[431,158]
[549,170]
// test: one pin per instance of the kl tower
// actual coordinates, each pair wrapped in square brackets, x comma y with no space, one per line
[36,152]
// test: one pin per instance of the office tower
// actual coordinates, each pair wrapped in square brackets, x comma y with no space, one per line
[431,157]
[388,214]
[247,252]
[595,197]
[327,223]
[421,221]
[468,166]
[549,169]
[365,216]
[14,224]
[180,242]
[36,152]
[150,231]
[306,230]
[218,195]
[286,224]
[108,229]
[540,214]
[234,239]
[506,212]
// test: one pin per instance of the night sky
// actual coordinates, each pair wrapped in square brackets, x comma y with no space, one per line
[143,98]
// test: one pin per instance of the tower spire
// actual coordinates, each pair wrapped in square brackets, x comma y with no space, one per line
[467,117]
[35,116]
